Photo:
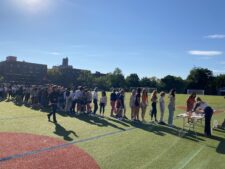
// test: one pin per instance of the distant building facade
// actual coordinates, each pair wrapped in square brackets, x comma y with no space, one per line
[65,64]
[22,72]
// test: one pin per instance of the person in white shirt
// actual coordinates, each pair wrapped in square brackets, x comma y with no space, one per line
[89,100]
[68,100]
[78,96]
[74,101]
[95,100]
[103,102]
[203,107]
[171,106]
[162,107]
[132,103]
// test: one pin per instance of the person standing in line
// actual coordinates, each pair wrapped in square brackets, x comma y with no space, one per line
[154,100]
[144,104]
[191,102]
[120,105]
[95,100]
[113,98]
[74,101]
[89,100]
[171,106]
[124,107]
[103,102]
[162,107]
[132,104]
[203,107]
[1,92]
[53,98]
[137,104]
[68,100]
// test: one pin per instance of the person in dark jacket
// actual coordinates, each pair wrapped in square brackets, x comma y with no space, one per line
[53,98]
[113,98]
[203,107]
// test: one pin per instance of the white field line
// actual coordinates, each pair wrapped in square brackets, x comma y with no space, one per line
[187,160]
[161,154]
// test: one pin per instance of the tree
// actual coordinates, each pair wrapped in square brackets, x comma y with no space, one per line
[64,77]
[132,80]
[172,82]
[103,83]
[117,71]
[85,78]
[117,79]
[145,82]
[200,78]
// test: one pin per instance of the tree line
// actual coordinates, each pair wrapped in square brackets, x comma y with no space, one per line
[198,78]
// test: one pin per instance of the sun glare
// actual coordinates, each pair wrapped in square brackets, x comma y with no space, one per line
[32,6]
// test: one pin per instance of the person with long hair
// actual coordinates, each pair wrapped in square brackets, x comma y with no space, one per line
[144,104]
[113,98]
[132,103]
[171,106]
[162,107]
[137,104]
[154,100]
[95,100]
[103,102]
[191,102]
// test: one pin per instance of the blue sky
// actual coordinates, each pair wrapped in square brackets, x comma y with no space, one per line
[147,37]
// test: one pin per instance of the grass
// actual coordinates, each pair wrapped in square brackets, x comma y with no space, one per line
[145,146]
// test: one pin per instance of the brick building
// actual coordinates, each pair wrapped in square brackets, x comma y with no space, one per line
[22,72]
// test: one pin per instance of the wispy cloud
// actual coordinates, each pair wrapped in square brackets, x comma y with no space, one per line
[215,36]
[54,53]
[222,63]
[205,53]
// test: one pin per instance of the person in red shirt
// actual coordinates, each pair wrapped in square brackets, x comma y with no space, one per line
[191,102]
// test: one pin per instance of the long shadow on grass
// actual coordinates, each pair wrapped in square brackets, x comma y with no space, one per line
[221,147]
[62,132]
[99,121]
[163,130]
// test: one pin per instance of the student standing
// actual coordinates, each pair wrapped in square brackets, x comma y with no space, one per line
[68,100]
[144,104]
[154,100]
[113,98]
[162,107]
[137,104]
[171,106]
[191,102]
[132,103]
[120,105]
[89,100]
[53,98]
[203,107]
[103,102]
[95,100]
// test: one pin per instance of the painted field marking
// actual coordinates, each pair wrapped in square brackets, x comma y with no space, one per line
[21,117]
[186,161]
[16,156]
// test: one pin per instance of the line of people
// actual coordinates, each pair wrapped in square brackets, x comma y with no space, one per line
[81,99]
[139,101]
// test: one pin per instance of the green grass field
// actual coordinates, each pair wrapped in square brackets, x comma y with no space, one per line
[122,144]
